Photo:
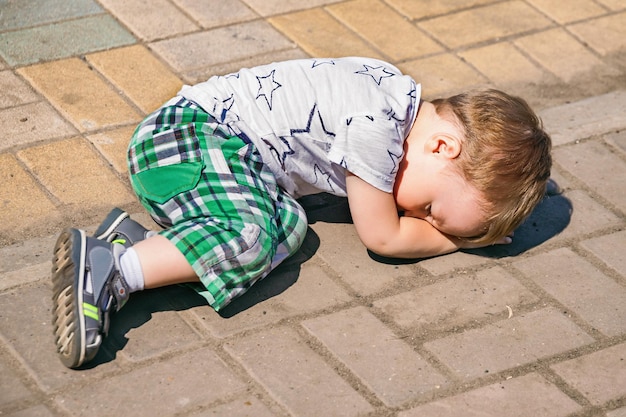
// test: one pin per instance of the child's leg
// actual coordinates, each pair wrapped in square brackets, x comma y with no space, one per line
[162,263]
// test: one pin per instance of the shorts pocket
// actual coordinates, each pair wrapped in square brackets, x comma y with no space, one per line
[162,183]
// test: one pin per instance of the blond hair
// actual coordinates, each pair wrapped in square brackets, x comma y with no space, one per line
[505,155]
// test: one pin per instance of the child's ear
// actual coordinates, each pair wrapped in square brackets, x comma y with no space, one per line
[448,146]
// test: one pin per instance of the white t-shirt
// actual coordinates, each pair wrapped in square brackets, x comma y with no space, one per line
[312,119]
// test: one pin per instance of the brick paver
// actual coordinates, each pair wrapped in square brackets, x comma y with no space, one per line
[535,328]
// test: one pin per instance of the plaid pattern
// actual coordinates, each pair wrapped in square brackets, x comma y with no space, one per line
[220,204]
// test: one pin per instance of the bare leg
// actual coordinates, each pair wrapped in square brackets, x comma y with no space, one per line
[162,263]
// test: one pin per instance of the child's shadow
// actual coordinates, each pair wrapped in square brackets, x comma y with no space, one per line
[144,304]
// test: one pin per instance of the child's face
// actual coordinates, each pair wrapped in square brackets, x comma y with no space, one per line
[429,187]
[447,202]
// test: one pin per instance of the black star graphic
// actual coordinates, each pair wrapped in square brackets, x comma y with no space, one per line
[307,129]
[318,62]
[394,159]
[267,86]
[377,73]
[321,176]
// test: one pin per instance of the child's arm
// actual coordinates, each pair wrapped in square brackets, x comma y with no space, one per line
[382,231]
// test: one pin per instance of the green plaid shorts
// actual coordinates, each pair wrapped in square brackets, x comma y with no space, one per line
[218,202]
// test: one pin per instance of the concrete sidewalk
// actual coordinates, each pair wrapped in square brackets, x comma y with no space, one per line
[537,328]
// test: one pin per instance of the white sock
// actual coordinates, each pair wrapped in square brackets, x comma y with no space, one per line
[131,270]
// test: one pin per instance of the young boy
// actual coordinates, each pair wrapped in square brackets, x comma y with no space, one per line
[220,167]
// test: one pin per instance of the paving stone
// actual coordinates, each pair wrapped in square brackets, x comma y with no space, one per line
[213,13]
[610,249]
[45,43]
[587,216]
[558,52]
[604,35]
[287,368]
[612,4]
[317,32]
[599,376]
[147,22]
[528,395]
[23,202]
[136,72]
[456,302]
[243,407]
[342,249]
[168,387]
[221,45]
[29,13]
[12,388]
[13,91]
[35,411]
[581,287]
[503,64]
[381,26]
[457,260]
[596,165]
[617,139]
[421,9]
[286,292]
[80,180]
[620,412]
[582,119]
[29,274]
[25,324]
[147,314]
[31,123]
[508,343]
[80,94]
[113,145]
[442,75]
[272,7]
[26,253]
[378,357]
[486,23]
[576,10]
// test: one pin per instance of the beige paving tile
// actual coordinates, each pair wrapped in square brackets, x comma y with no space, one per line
[318,34]
[503,64]
[217,46]
[212,13]
[14,91]
[148,22]
[31,123]
[82,179]
[113,144]
[605,35]
[80,94]
[417,9]
[574,11]
[559,53]
[142,77]
[442,74]
[485,23]
[272,7]
[599,376]
[385,29]
[613,4]
[24,204]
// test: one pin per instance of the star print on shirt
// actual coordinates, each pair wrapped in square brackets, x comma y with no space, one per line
[319,62]
[377,73]
[312,122]
[267,86]
[395,159]
[322,176]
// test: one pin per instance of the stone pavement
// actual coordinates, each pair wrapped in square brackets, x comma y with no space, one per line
[537,328]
